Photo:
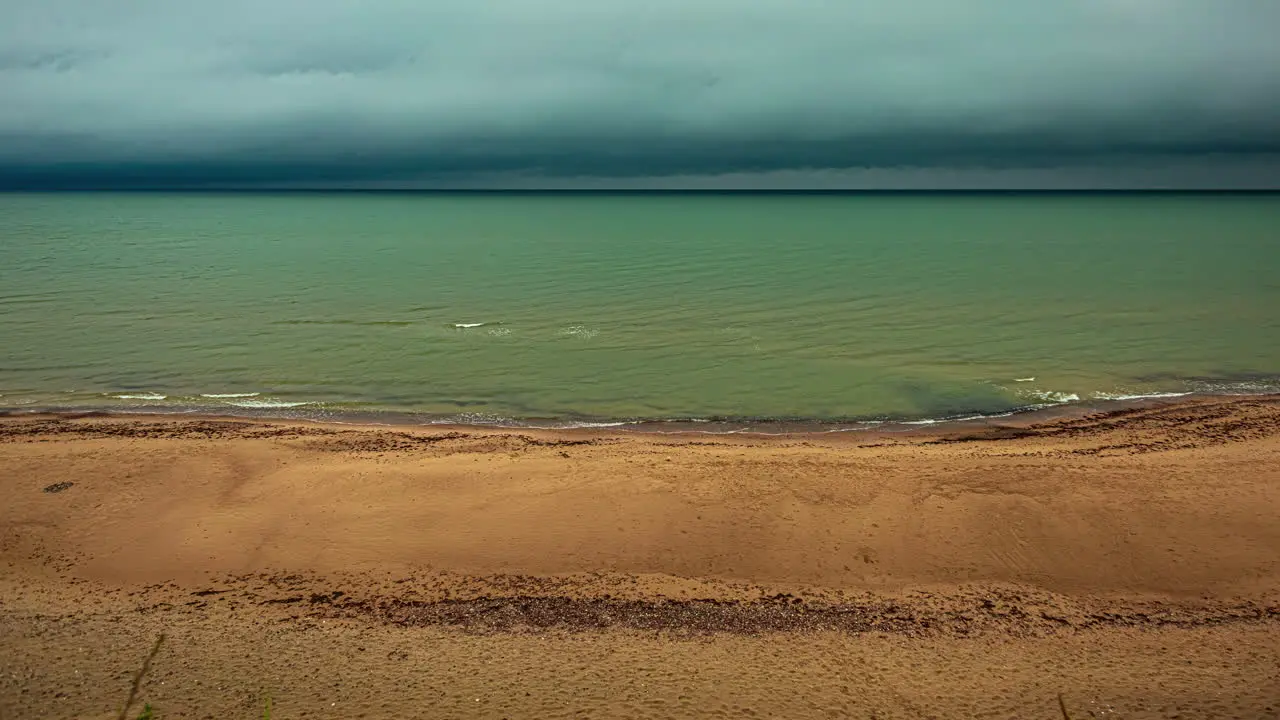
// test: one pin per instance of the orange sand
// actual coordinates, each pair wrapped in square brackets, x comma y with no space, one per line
[1129,561]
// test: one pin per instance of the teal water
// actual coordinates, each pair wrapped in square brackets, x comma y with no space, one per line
[599,307]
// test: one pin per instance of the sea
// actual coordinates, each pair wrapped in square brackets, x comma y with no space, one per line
[749,311]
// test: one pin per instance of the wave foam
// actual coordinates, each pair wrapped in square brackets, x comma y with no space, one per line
[958,418]
[268,403]
[1136,396]
[1266,386]
[580,425]
[580,331]
[1057,398]
[463,326]
[140,396]
[219,396]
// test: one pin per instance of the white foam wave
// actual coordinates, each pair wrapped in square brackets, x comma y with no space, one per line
[219,396]
[140,396]
[1030,379]
[1246,387]
[470,419]
[580,425]
[939,421]
[580,331]
[1057,398]
[267,403]
[463,326]
[739,431]
[1136,396]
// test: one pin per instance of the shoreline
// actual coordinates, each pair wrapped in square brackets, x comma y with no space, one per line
[1128,560]
[764,427]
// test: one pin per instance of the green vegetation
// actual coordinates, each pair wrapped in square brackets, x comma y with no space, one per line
[137,681]
[148,712]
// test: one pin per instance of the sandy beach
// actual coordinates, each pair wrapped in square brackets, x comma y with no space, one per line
[1127,562]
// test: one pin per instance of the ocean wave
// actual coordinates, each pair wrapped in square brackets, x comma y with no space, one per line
[579,425]
[958,418]
[1010,401]
[268,403]
[1052,397]
[491,419]
[1030,379]
[1136,396]
[1266,386]
[474,419]
[398,323]
[580,331]
[464,326]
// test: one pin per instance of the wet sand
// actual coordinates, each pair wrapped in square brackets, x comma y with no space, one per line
[1128,561]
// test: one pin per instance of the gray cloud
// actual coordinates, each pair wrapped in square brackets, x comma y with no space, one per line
[457,93]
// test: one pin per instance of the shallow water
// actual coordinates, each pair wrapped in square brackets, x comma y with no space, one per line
[604,307]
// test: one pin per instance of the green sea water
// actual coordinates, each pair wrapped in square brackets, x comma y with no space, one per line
[568,308]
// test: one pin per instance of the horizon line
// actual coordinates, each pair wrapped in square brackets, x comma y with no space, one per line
[647,191]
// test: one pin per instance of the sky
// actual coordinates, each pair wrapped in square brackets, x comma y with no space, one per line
[659,94]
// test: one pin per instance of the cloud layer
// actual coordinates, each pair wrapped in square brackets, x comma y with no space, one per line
[455,92]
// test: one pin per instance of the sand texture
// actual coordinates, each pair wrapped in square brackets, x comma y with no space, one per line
[1128,561]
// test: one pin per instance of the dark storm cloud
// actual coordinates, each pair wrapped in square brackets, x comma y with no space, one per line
[171,92]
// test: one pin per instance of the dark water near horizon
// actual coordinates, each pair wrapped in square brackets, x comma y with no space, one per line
[573,308]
